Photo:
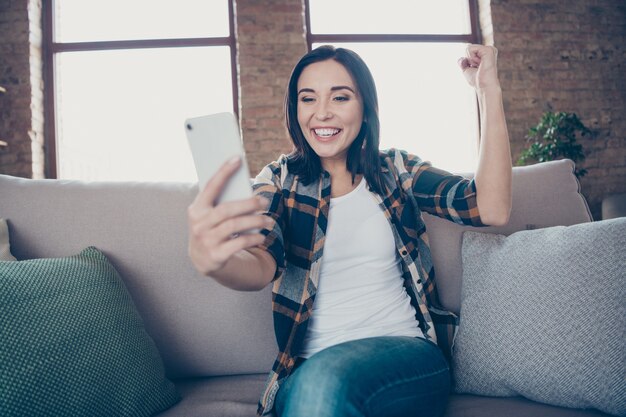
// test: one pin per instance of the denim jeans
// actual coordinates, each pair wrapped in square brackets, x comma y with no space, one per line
[373,377]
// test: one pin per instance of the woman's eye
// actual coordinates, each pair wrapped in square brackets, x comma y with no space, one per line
[306,99]
[342,98]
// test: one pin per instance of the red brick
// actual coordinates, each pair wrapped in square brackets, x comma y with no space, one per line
[577,56]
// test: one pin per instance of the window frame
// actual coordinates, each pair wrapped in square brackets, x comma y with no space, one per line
[474,37]
[51,48]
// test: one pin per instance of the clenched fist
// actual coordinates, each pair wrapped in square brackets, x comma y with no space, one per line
[480,67]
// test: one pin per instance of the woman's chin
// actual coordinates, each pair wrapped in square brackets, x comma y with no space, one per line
[328,149]
[325,151]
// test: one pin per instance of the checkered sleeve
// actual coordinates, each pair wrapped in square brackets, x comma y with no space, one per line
[267,184]
[441,193]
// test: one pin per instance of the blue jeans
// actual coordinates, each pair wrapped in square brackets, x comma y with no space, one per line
[374,377]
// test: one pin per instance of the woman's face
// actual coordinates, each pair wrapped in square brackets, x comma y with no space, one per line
[330,109]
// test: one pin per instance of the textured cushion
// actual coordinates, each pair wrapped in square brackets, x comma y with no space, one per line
[5,248]
[542,316]
[72,342]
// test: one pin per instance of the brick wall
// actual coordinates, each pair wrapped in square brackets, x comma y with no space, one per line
[567,55]
[21,108]
[270,44]
[570,56]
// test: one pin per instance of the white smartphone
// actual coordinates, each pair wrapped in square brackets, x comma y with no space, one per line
[213,140]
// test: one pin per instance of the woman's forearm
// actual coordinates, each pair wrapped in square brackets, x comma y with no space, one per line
[493,174]
[247,270]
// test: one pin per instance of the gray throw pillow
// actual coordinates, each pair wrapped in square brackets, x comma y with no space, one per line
[5,247]
[73,344]
[542,316]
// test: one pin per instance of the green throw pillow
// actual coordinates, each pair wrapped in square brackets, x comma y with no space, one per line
[73,344]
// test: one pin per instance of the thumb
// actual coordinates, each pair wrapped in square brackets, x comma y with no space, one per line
[465,63]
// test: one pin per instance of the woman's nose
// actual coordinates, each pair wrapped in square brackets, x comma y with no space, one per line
[323,112]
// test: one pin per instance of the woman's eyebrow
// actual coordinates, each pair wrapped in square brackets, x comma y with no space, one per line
[336,88]
[342,87]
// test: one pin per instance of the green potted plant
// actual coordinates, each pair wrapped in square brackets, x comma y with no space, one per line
[555,138]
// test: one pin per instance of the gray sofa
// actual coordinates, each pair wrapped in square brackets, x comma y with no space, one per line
[216,343]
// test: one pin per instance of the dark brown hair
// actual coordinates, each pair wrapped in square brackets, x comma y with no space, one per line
[363,154]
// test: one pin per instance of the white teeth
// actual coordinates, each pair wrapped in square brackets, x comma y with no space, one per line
[326,132]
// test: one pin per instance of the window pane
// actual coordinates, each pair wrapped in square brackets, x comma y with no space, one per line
[120,114]
[97,20]
[389,16]
[426,106]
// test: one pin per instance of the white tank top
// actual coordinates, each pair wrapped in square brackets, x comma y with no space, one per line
[360,292]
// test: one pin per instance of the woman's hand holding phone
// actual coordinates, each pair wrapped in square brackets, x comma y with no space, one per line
[217,231]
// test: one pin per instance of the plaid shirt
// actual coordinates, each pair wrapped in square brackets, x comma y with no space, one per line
[296,242]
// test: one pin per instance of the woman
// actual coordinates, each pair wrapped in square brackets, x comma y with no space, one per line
[356,313]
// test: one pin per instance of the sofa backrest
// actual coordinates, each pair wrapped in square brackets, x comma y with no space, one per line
[200,327]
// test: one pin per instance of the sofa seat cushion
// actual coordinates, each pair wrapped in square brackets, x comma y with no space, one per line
[225,396]
[237,396]
[462,405]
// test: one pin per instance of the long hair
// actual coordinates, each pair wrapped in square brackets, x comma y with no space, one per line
[363,154]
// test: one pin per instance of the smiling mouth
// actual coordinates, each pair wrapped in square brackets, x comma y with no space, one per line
[326,133]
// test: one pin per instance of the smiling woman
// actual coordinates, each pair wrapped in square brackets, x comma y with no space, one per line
[330,112]
[341,235]
[342,102]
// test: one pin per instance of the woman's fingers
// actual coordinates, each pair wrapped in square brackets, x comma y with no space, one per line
[474,55]
[463,63]
[241,242]
[215,185]
[215,215]
[210,255]
[211,247]
[216,231]
[208,259]
[212,228]
[473,59]
[224,231]
[234,209]
[479,66]
[238,225]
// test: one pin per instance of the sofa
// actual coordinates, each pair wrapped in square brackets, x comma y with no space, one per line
[216,345]
[614,206]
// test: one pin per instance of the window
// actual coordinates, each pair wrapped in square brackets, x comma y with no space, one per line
[412,48]
[123,76]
